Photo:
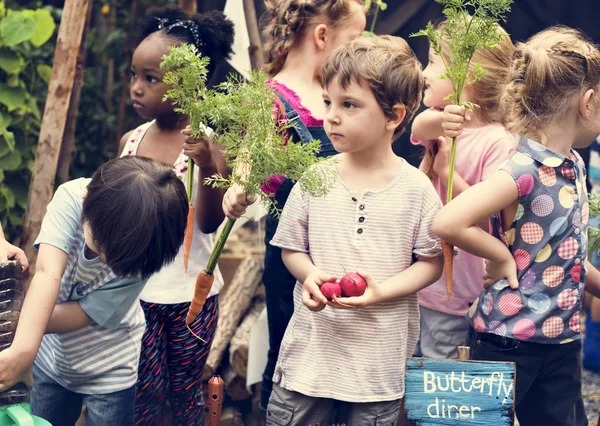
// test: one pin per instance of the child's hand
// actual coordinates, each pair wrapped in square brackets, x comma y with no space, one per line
[312,297]
[197,149]
[235,202]
[441,161]
[10,252]
[496,271]
[14,369]
[373,294]
[453,119]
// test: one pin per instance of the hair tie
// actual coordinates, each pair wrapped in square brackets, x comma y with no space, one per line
[189,25]
[280,53]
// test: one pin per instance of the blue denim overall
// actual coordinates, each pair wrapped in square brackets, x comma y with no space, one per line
[279,283]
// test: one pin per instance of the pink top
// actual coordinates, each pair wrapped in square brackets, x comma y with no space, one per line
[305,115]
[479,153]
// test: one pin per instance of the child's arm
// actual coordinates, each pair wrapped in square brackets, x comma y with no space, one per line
[302,268]
[210,161]
[427,126]
[457,222]
[10,252]
[16,361]
[67,317]
[592,280]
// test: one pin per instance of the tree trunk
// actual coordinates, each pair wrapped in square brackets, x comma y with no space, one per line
[68,145]
[233,304]
[189,6]
[235,385]
[255,48]
[231,416]
[54,120]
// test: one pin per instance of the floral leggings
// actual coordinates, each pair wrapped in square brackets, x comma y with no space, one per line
[171,363]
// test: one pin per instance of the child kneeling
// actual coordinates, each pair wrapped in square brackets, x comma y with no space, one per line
[343,361]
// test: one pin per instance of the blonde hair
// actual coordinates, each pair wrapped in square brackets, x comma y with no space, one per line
[548,70]
[486,92]
[288,20]
[387,65]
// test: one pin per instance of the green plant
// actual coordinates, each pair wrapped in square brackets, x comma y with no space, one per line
[24,75]
[594,232]
[377,5]
[241,114]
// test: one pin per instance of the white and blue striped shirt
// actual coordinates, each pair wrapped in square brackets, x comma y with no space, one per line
[103,356]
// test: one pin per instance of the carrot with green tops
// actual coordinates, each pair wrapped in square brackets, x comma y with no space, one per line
[470,25]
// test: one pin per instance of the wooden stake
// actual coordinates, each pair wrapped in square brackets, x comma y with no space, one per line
[255,49]
[189,6]
[68,143]
[464,353]
[56,111]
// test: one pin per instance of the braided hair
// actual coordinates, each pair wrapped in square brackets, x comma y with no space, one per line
[547,71]
[211,32]
[287,21]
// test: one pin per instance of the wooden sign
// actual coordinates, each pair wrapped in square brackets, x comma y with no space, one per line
[450,392]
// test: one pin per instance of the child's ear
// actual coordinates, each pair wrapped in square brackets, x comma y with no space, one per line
[399,112]
[320,36]
[586,104]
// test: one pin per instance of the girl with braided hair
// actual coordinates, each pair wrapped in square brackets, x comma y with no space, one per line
[536,267]
[299,35]
[172,359]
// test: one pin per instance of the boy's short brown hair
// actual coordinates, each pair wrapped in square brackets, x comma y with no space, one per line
[387,65]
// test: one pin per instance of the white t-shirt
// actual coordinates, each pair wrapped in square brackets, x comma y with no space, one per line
[356,355]
[171,284]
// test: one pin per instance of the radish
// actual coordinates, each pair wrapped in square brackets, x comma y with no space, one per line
[352,285]
[331,290]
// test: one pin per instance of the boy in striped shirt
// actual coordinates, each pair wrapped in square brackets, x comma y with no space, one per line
[343,361]
[101,239]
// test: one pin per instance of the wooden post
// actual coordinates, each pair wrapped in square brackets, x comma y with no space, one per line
[255,49]
[68,143]
[189,6]
[215,400]
[464,353]
[55,117]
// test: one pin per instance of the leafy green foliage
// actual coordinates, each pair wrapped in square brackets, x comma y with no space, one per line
[241,114]
[25,55]
[593,232]
[377,5]
[470,25]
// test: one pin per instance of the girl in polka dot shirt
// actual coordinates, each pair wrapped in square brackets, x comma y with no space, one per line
[535,275]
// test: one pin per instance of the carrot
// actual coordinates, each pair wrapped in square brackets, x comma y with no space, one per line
[448,253]
[203,286]
[187,241]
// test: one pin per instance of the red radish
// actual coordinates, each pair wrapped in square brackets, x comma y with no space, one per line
[352,285]
[331,290]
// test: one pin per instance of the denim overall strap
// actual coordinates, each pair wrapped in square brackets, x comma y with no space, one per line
[301,132]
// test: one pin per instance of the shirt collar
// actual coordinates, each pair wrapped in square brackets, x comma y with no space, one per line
[543,155]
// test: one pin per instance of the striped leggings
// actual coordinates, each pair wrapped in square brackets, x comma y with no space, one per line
[171,363]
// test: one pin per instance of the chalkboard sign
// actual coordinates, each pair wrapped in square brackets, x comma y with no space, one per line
[451,392]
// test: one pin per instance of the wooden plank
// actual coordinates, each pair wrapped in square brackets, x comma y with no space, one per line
[52,130]
[449,392]
[401,16]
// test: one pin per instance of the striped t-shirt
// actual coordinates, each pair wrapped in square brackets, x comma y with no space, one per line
[356,355]
[103,356]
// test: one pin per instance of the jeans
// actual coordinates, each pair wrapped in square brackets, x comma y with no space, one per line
[62,407]
[548,379]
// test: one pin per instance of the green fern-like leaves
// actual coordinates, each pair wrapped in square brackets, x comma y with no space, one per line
[241,114]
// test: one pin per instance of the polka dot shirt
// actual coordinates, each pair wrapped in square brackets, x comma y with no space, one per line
[548,239]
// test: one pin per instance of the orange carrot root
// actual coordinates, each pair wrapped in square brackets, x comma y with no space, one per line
[203,286]
[448,253]
[187,241]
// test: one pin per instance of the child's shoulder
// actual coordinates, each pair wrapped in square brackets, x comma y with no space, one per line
[493,135]
[133,136]
[74,189]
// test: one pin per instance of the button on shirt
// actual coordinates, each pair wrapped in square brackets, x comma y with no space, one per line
[548,241]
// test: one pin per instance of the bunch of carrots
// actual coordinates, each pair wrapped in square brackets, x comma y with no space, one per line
[254,145]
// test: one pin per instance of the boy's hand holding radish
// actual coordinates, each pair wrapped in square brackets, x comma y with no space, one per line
[312,296]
